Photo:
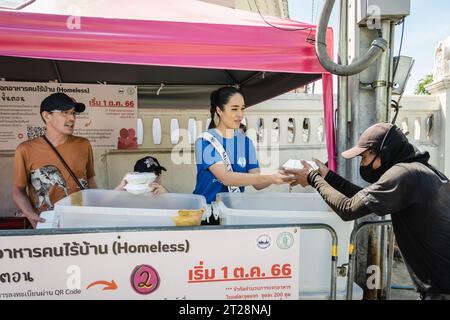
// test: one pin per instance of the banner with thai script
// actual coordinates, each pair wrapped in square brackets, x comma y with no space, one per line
[109,121]
[225,264]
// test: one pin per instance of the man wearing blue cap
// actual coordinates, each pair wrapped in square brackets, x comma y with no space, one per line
[55,165]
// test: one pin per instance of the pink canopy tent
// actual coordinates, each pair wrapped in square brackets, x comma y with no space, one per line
[175,42]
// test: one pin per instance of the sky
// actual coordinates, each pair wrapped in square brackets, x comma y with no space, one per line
[428,23]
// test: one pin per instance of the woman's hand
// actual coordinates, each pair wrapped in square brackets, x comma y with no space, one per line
[280,177]
[157,188]
[301,175]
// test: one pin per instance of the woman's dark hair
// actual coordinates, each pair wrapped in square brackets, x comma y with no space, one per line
[219,98]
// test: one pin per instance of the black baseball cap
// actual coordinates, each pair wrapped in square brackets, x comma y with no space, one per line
[148,164]
[61,101]
[372,138]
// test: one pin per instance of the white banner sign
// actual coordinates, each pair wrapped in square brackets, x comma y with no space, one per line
[109,121]
[226,264]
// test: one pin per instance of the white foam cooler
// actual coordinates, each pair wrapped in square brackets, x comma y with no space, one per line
[94,208]
[315,245]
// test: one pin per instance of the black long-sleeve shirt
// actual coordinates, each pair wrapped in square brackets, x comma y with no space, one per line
[341,195]
[418,201]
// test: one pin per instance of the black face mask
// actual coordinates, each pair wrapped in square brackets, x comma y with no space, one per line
[370,174]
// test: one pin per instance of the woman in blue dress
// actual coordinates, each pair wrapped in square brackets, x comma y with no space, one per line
[225,156]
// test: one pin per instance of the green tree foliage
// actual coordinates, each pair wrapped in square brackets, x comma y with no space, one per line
[420,87]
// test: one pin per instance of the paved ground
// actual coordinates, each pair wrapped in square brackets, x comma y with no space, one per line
[401,278]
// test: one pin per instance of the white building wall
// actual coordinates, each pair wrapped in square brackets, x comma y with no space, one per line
[277,8]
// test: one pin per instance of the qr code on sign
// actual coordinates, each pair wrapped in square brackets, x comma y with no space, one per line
[35,132]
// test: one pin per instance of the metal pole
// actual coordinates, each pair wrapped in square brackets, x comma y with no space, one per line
[391,69]
[383,260]
[352,253]
[377,237]
[350,274]
[390,261]
[363,115]
[342,127]
[383,97]
[374,258]
[382,83]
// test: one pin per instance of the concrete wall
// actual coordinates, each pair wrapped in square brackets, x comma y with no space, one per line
[422,117]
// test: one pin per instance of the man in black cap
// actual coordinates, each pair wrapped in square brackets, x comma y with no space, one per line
[404,185]
[55,165]
[148,164]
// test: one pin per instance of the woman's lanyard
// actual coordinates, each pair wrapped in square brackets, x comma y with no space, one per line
[223,154]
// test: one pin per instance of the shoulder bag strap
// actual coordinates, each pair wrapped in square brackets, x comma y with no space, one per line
[64,163]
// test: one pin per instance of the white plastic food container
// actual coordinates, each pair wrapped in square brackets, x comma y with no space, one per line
[137,188]
[297,164]
[140,178]
[95,208]
[315,245]
[51,220]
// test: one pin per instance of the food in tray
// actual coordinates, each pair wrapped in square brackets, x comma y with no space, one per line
[76,199]
[187,218]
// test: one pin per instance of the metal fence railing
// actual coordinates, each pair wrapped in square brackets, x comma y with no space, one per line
[334,253]
[352,256]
